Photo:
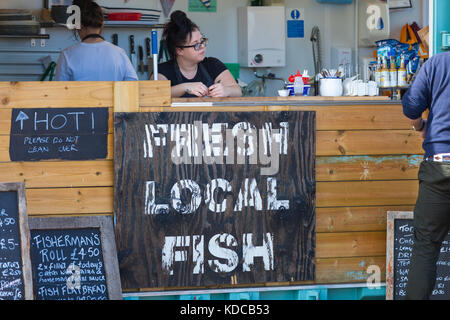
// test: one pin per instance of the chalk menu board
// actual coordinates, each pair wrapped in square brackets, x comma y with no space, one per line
[74,259]
[58,133]
[15,270]
[400,244]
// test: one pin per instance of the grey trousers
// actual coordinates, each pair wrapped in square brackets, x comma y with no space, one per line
[431,226]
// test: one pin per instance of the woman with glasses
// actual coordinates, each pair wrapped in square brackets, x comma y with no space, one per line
[190,72]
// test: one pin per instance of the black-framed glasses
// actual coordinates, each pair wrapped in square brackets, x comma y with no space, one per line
[197,46]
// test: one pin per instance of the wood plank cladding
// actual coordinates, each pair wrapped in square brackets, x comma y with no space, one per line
[77,94]
[367,162]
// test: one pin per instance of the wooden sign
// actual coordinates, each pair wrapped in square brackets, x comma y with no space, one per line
[400,240]
[15,266]
[214,198]
[68,134]
[74,258]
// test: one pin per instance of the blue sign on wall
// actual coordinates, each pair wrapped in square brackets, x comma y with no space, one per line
[295,14]
[295,27]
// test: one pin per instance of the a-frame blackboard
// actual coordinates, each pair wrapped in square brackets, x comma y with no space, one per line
[74,258]
[400,240]
[15,266]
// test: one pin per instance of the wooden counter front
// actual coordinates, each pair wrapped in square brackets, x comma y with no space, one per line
[367,158]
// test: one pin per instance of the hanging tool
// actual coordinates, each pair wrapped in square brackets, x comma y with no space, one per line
[317,56]
[49,67]
[115,39]
[50,72]
[141,59]
[148,52]
[163,52]
[133,52]
[155,53]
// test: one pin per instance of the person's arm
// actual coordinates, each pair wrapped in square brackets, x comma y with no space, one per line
[418,98]
[420,125]
[196,88]
[225,86]
[130,72]
[62,69]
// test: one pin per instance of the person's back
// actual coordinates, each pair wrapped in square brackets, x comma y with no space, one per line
[431,89]
[101,61]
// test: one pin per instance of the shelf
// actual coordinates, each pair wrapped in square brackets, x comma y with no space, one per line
[390,88]
[112,24]
[31,36]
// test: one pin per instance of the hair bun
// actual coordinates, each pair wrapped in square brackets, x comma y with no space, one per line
[179,18]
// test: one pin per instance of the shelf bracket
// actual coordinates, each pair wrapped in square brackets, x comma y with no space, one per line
[43,42]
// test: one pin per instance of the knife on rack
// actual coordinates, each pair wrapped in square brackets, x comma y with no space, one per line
[133,53]
[148,52]
[141,59]
[115,39]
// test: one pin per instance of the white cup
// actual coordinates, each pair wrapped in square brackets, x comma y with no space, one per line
[331,87]
[283,93]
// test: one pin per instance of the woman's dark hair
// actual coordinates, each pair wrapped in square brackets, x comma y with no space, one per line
[91,13]
[177,30]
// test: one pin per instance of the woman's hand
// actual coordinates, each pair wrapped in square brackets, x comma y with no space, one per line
[218,90]
[196,88]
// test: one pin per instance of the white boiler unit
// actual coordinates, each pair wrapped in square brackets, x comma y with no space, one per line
[262,36]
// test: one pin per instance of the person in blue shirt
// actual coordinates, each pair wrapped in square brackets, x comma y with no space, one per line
[94,59]
[430,90]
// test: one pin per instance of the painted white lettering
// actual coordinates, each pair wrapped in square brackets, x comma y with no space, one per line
[229,255]
[250,252]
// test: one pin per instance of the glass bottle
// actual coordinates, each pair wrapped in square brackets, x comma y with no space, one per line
[401,76]
[393,73]
[384,77]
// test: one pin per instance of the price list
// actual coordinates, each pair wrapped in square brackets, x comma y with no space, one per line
[11,275]
[403,245]
[68,265]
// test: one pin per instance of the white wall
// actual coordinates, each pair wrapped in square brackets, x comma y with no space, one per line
[336,23]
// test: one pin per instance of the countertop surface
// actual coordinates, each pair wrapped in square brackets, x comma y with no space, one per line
[278,101]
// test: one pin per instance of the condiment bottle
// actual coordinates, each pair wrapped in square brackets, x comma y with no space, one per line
[384,77]
[393,73]
[402,73]
[377,72]
[298,85]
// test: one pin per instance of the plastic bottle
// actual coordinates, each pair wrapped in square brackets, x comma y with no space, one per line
[384,77]
[401,76]
[393,73]
[298,85]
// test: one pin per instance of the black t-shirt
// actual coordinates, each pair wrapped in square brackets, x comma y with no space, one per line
[208,70]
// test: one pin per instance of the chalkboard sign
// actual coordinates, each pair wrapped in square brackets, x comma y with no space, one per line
[214,198]
[15,267]
[74,258]
[400,240]
[67,134]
